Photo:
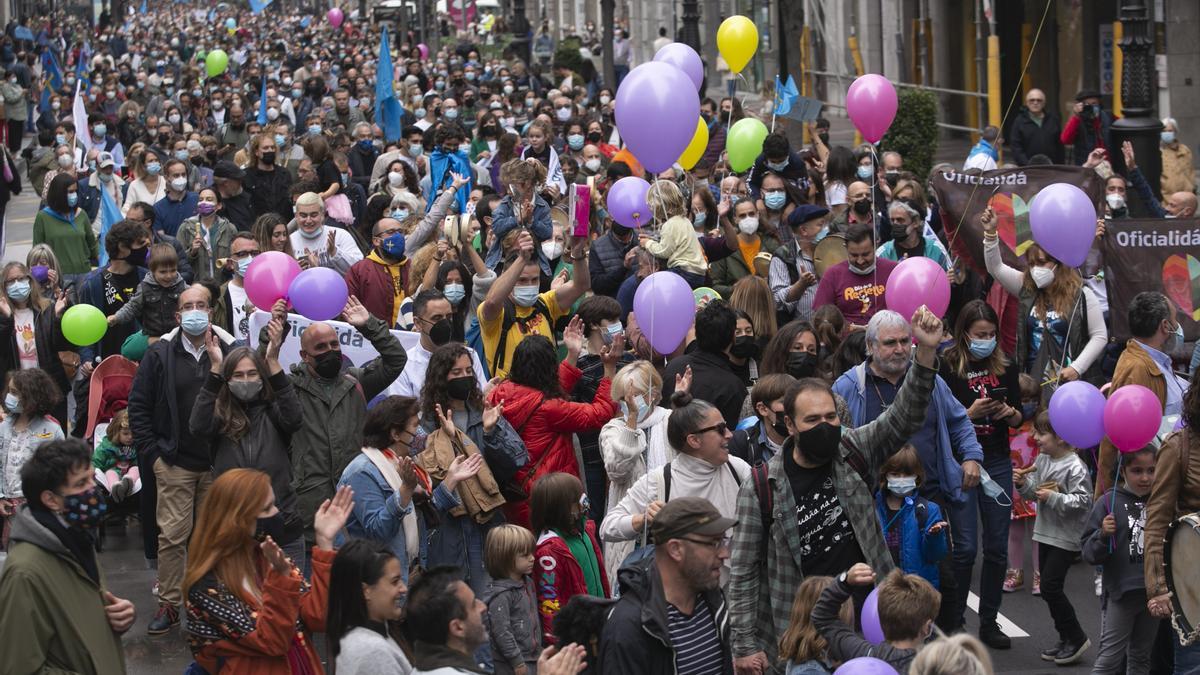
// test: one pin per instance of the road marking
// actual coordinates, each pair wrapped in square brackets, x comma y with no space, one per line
[1009,628]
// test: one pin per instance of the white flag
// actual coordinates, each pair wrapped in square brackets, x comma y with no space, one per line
[79,117]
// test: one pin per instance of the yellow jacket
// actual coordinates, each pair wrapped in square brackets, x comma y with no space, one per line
[1178,174]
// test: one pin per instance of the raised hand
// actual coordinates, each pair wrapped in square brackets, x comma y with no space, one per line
[988,221]
[860,574]
[280,310]
[569,660]
[927,327]
[683,381]
[611,354]
[492,414]
[274,338]
[446,418]
[212,344]
[458,180]
[525,244]
[331,244]
[573,336]
[407,470]
[60,302]
[1127,151]
[331,517]
[275,556]
[463,468]
[354,313]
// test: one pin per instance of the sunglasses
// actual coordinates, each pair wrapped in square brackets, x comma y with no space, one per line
[720,428]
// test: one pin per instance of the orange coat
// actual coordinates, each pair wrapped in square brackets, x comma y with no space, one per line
[263,650]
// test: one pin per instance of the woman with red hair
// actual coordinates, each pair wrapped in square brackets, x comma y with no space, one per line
[249,608]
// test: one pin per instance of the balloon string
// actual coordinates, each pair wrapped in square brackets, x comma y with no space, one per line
[1025,67]
[1112,503]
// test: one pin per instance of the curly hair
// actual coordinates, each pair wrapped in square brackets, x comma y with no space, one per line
[36,389]
[437,374]
[535,365]
[229,412]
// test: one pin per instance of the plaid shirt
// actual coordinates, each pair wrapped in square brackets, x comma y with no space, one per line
[760,611]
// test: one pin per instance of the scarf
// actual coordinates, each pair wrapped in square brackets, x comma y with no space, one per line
[78,542]
[384,460]
[581,549]
[441,163]
[396,271]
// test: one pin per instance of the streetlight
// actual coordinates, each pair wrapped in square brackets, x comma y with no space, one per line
[1138,124]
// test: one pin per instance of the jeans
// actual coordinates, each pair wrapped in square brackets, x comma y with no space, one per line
[1055,563]
[1187,659]
[596,484]
[180,491]
[1127,634]
[981,509]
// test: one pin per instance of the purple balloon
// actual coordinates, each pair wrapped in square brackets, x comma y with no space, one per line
[40,272]
[1062,219]
[865,665]
[318,293]
[684,58]
[657,109]
[627,202]
[665,309]
[915,282]
[1077,414]
[871,628]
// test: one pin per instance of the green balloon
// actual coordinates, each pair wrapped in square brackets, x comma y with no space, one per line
[84,325]
[744,143]
[217,61]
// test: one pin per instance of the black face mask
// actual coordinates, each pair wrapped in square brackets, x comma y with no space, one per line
[780,426]
[899,231]
[801,364]
[862,207]
[329,364]
[441,332]
[460,388]
[270,527]
[137,257]
[594,137]
[744,347]
[819,444]
[268,158]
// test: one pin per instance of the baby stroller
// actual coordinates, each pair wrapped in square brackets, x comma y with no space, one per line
[111,382]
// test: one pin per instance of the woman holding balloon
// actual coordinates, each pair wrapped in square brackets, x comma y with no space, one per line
[30,330]
[1061,332]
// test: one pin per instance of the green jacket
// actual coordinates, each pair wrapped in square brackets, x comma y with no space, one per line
[220,241]
[52,612]
[73,242]
[331,433]
[761,588]
[728,270]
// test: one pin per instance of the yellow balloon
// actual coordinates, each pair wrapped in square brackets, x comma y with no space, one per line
[695,149]
[737,38]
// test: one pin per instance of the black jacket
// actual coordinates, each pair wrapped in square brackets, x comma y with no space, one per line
[635,637]
[713,380]
[606,263]
[269,191]
[1027,138]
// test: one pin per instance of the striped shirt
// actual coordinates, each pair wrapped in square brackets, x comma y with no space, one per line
[695,640]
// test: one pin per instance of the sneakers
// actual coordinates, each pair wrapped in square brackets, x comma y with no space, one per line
[1099,585]
[991,635]
[1014,580]
[1037,584]
[1052,653]
[1071,652]
[166,618]
[120,490]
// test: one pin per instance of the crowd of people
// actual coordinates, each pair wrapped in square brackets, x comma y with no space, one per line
[483,465]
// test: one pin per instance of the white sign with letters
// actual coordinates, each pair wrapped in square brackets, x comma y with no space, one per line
[355,346]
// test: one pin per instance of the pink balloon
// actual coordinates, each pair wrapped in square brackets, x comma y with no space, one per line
[268,278]
[1132,417]
[336,17]
[665,309]
[915,282]
[424,49]
[871,103]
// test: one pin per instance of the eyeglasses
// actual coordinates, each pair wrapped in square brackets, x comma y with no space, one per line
[720,428]
[714,544]
[243,254]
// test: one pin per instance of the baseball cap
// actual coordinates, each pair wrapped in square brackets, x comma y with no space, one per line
[689,515]
[104,159]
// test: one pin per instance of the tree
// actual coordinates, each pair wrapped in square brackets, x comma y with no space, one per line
[914,132]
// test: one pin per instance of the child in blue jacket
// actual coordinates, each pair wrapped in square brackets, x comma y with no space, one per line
[913,527]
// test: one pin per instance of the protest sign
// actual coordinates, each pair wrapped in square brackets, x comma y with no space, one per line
[1153,255]
[354,346]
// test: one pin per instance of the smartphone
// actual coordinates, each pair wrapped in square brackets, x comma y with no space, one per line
[998,394]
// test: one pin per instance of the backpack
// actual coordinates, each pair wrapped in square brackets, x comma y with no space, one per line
[511,318]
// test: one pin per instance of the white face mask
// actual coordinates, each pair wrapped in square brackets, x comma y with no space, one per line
[395,179]
[1115,201]
[1042,276]
[552,249]
[593,164]
[748,225]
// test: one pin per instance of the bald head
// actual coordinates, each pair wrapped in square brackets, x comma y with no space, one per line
[857,190]
[318,338]
[1181,205]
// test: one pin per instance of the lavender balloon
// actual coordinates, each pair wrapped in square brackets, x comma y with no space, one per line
[865,665]
[657,109]
[665,310]
[627,202]
[1077,414]
[1062,219]
[684,58]
[318,293]
[871,627]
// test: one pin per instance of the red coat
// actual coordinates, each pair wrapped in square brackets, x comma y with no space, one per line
[371,283]
[547,430]
[559,577]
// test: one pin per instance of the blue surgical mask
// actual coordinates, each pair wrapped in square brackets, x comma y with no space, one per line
[864,172]
[99,130]
[992,489]
[72,199]
[451,113]
[575,141]
[454,293]
[19,290]
[1168,137]
[699,219]
[297,93]
[981,349]
[525,296]
[902,486]
[415,149]
[400,214]
[822,234]
[244,264]
[182,155]
[314,129]
[60,139]
[643,407]
[280,140]
[775,200]
[194,322]
[153,168]
[780,166]
[611,332]
[420,113]
[12,404]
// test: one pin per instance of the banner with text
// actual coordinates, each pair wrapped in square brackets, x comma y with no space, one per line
[354,346]
[963,197]
[1153,255]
